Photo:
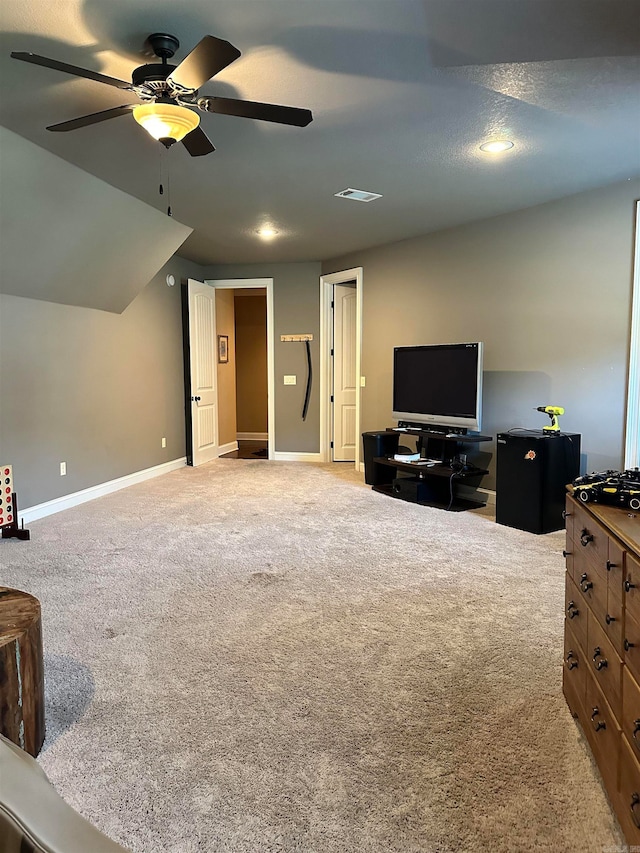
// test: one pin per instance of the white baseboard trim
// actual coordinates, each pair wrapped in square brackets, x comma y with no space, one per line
[227,448]
[252,436]
[283,456]
[486,495]
[33,513]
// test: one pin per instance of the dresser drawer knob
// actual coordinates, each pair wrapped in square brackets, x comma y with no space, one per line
[599,661]
[572,610]
[572,660]
[585,537]
[636,728]
[635,811]
[628,645]
[597,724]
[565,514]
[566,554]
[628,586]
[611,565]
[609,619]
[585,583]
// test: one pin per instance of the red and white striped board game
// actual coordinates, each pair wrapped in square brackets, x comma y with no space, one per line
[9,506]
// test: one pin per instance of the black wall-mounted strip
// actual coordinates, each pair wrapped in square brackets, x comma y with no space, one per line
[305,408]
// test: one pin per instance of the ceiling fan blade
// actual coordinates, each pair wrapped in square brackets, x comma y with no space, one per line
[71,69]
[93,118]
[209,56]
[252,109]
[198,143]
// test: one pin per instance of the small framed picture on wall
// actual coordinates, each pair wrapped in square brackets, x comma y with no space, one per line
[223,348]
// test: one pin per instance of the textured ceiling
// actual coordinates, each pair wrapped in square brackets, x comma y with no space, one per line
[402,93]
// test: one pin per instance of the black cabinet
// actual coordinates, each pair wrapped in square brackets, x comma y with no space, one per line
[533,470]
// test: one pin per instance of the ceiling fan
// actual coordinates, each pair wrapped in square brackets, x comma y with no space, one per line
[169,93]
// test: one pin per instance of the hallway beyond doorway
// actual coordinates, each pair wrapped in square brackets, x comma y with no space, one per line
[248,450]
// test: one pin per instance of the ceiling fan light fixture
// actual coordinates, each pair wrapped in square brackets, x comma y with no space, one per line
[166,121]
[496,146]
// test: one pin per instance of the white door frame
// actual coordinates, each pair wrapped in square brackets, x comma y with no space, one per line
[326,292]
[267,284]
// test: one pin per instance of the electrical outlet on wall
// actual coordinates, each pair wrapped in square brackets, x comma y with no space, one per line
[164,442]
[63,469]
[290,380]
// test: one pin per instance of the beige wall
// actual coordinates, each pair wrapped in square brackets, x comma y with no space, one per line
[251,361]
[94,389]
[226,372]
[548,290]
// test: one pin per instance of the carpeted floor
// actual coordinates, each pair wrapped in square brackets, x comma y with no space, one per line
[267,656]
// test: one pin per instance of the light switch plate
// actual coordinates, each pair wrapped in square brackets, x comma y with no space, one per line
[290,380]
[363,382]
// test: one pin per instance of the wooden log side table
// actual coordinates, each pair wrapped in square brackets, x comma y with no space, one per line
[21,670]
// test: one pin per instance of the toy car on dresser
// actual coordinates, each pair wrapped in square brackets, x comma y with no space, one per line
[617,488]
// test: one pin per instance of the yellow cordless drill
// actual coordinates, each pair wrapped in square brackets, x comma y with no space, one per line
[553,412]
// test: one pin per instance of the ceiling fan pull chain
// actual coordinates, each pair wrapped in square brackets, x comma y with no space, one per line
[165,154]
[164,179]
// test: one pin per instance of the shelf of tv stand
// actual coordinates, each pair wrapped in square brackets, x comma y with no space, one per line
[424,471]
[443,497]
[458,505]
[446,449]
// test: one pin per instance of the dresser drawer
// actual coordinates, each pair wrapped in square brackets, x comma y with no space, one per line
[574,674]
[631,645]
[631,586]
[603,733]
[615,568]
[593,590]
[590,537]
[575,611]
[630,720]
[604,664]
[627,801]
[569,516]
[614,622]
[569,559]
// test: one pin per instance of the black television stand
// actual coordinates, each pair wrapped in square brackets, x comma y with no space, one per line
[434,479]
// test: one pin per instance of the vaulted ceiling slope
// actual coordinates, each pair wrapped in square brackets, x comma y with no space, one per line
[67,237]
[402,93]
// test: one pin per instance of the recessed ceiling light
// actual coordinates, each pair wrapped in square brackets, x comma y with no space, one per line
[267,232]
[496,146]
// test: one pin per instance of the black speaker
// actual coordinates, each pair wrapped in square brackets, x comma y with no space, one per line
[533,470]
[382,443]
[420,491]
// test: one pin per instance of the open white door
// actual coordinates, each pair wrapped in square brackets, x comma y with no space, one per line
[344,373]
[202,356]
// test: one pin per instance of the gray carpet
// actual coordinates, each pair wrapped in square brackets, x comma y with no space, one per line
[262,656]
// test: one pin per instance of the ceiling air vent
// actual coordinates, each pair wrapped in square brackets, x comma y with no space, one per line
[357,195]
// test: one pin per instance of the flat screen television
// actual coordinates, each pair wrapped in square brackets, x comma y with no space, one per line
[438,385]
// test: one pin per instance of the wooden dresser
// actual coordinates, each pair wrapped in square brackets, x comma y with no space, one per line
[601,676]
